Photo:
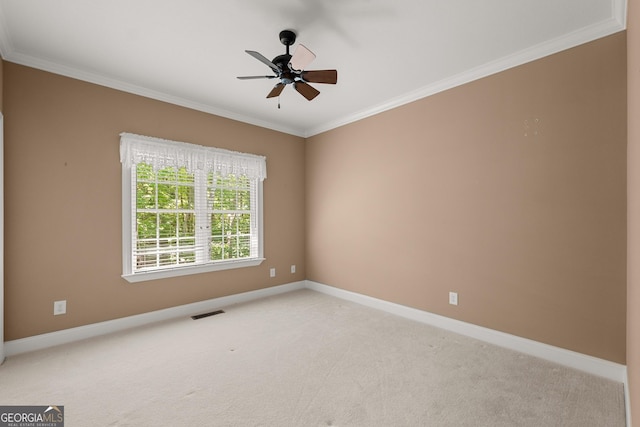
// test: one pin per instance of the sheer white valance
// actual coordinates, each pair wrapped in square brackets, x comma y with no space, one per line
[162,153]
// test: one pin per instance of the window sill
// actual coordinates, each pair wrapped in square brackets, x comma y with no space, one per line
[184,271]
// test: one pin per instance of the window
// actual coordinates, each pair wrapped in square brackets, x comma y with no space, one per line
[188,208]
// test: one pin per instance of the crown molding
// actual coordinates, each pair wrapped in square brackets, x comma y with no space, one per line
[111,83]
[616,23]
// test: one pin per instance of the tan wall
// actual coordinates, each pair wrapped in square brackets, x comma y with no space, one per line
[63,202]
[633,292]
[448,194]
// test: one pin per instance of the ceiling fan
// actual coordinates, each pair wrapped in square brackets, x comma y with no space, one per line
[290,69]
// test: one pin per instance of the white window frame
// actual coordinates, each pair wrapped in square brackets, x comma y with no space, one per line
[129,211]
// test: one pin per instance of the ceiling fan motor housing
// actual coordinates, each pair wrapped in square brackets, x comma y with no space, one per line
[282,62]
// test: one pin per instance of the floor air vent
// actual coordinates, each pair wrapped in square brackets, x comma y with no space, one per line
[213,313]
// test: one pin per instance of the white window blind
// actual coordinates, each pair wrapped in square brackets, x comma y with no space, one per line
[188,208]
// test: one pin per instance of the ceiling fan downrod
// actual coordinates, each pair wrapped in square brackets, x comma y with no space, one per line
[287,38]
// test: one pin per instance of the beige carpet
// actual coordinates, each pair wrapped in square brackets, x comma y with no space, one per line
[304,359]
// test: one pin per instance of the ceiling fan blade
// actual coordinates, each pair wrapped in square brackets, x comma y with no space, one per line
[256,77]
[276,91]
[264,60]
[306,90]
[301,58]
[320,76]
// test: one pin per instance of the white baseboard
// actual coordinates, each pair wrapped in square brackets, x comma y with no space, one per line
[39,342]
[590,364]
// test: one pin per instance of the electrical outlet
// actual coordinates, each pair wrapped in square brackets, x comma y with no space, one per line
[59,307]
[293,268]
[453,298]
[272,272]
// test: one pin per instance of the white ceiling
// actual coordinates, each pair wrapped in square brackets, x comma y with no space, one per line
[387,53]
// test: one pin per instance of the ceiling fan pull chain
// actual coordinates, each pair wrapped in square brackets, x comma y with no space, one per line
[278,102]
